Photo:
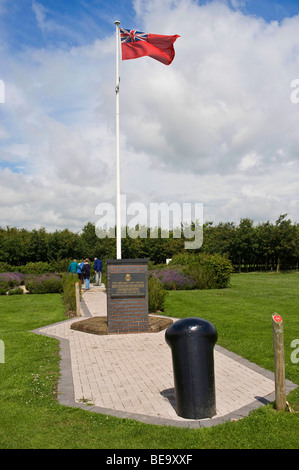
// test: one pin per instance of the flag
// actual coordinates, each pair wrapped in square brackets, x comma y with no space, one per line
[136,44]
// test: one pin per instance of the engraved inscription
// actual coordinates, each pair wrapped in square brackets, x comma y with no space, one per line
[127,285]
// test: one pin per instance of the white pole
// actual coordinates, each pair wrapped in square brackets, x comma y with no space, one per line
[118,212]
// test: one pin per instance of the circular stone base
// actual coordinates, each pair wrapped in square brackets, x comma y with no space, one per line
[99,326]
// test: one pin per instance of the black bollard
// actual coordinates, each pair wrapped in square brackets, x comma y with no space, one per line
[192,342]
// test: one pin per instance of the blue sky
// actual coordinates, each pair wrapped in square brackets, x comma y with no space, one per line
[217,126]
[271,10]
[64,23]
[48,23]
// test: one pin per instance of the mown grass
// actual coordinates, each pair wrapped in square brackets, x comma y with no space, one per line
[242,314]
[31,418]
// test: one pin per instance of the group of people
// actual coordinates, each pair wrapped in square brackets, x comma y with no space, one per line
[83,270]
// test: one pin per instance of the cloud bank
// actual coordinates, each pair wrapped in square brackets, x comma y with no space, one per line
[217,126]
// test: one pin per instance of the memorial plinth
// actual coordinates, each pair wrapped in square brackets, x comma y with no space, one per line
[127,296]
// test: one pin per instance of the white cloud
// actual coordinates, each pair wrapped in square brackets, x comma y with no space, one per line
[249,161]
[217,126]
[40,13]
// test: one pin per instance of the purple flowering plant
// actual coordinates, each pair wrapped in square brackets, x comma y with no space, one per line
[12,279]
[174,279]
[37,284]
[44,283]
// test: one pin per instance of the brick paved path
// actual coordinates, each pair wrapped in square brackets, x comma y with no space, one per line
[130,375]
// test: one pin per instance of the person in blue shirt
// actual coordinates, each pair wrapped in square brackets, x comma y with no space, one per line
[98,268]
[73,266]
[79,272]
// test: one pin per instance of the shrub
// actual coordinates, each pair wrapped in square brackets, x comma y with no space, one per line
[207,271]
[13,279]
[156,295]
[174,279]
[37,268]
[5,267]
[69,293]
[44,284]
[4,287]
[222,268]
[10,280]
[16,291]
[181,259]
[60,265]
[204,276]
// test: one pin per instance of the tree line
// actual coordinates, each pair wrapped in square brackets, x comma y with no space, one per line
[266,246]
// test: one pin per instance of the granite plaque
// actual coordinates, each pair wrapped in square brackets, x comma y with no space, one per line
[127,284]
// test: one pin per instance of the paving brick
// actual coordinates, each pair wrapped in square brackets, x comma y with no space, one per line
[132,374]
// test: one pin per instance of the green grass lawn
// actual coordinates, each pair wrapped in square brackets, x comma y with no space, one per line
[31,418]
[242,314]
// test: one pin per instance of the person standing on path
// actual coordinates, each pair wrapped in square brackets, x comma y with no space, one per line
[79,271]
[86,273]
[98,268]
[73,266]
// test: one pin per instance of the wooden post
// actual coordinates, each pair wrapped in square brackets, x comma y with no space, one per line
[78,308]
[279,367]
[2,351]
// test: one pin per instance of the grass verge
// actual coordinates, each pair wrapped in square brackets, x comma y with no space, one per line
[31,418]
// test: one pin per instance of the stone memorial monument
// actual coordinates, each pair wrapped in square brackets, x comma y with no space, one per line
[127,295]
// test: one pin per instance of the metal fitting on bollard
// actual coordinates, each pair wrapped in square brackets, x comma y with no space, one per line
[192,342]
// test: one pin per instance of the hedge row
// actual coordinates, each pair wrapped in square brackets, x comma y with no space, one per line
[9,282]
[188,271]
[37,268]
[69,293]
[185,271]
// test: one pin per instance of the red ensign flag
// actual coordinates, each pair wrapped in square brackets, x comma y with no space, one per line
[135,44]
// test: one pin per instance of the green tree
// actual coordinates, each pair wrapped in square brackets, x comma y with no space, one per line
[219,239]
[265,251]
[245,245]
[63,244]
[15,245]
[284,241]
[95,246]
[38,245]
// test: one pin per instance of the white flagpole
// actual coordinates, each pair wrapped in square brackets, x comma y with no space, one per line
[118,209]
